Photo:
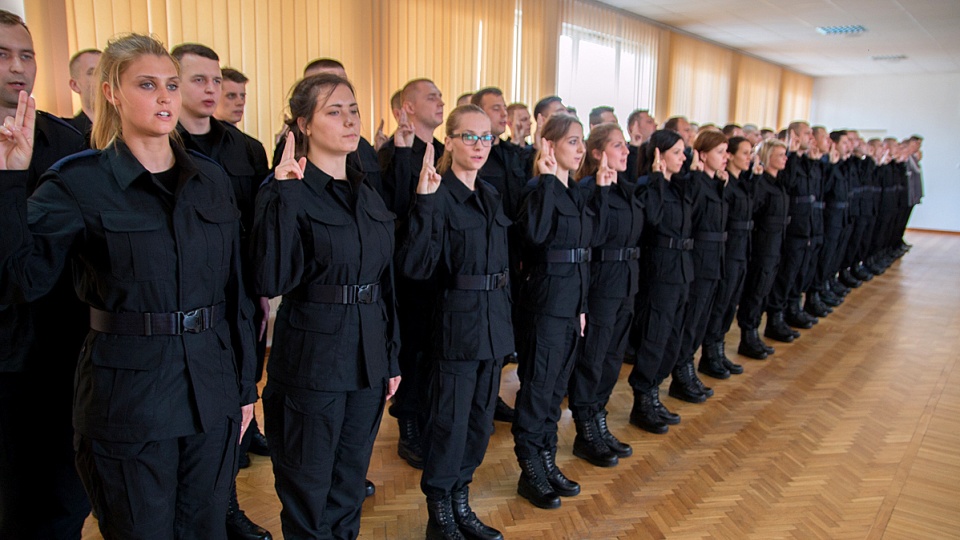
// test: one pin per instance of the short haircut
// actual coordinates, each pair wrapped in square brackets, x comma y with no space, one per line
[765,131]
[323,63]
[597,112]
[750,128]
[917,138]
[819,129]
[542,105]
[673,123]
[76,57]
[12,19]
[635,116]
[730,128]
[794,126]
[409,87]
[233,75]
[197,49]
[514,107]
[477,97]
[395,101]
[836,135]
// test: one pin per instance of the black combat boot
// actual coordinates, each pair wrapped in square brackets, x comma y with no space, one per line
[441,525]
[621,449]
[410,447]
[668,417]
[777,329]
[644,414]
[470,525]
[589,445]
[711,361]
[683,386]
[796,318]
[534,486]
[734,369]
[504,412]
[239,526]
[750,344]
[564,486]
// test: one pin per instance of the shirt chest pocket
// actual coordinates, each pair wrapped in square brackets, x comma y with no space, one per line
[468,239]
[569,223]
[220,225]
[334,236]
[382,229]
[136,243]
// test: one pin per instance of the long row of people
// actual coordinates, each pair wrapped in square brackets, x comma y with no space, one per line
[410,269]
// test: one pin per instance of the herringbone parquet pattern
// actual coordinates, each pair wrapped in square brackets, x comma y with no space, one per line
[853,431]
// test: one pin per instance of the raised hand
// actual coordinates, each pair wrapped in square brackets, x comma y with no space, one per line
[16,135]
[695,163]
[605,175]
[429,178]
[290,167]
[657,166]
[722,175]
[403,137]
[547,164]
[379,139]
[834,153]
[793,143]
[758,167]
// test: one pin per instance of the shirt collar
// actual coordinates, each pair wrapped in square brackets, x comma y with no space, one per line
[126,167]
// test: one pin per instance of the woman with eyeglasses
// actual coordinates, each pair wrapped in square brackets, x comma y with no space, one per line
[324,239]
[457,231]
[558,227]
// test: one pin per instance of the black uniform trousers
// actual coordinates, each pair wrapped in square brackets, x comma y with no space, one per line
[661,328]
[597,367]
[795,254]
[762,272]
[861,229]
[725,302]
[549,347]
[463,397]
[320,446]
[833,234]
[174,488]
[41,496]
[808,272]
[696,316]
[416,302]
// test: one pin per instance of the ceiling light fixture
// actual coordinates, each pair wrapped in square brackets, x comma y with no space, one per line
[889,57]
[845,30]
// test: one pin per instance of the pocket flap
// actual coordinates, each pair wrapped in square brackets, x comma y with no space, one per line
[329,218]
[114,221]
[224,213]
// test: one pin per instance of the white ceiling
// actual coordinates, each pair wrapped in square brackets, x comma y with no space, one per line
[784,31]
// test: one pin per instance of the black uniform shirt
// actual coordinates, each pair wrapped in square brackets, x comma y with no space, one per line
[505,171]
[458,232]
[738,195]
[803,187]
[363,159]
[315,232]
[82,123]
[669,218]
[400,173]
[623,225]
[59,312]
[709,224]
[770,217]
[555,217]
[135,247]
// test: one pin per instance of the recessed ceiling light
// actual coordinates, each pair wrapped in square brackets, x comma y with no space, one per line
[889,57]
[845,30]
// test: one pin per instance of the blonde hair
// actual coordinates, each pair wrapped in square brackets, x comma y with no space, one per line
[766,148]
[453,124]
[121,51]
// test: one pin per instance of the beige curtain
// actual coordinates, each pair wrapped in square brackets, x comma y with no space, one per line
[796,95]
[757,93]
[700,80]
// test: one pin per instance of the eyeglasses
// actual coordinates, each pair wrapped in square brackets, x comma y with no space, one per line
[470,139]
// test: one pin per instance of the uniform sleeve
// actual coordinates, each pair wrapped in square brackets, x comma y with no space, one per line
[275,244]
[398,176]
[240,312]
[422,245]
[535,218]
[37,235]
[393,324]
[651,194]
[599,202]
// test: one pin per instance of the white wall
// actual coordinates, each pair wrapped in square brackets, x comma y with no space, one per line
[899,106]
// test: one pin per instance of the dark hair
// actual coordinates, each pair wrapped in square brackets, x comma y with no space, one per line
[818,129]
[835,136]
[197,49]
[542,105]
[453,124]
[764,131]
[708,140]
[232,75]
[663,140]
[673,124]
[12,19]
[596,114]
[514,107]
[554,129]
[304,98]
[730,128]
[599,137]
[323,63]
[635,116]
[465,95]
[76,56]
[733,145]
[477,97]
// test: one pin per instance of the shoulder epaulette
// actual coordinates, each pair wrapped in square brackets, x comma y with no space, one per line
[57,120]
[73,157]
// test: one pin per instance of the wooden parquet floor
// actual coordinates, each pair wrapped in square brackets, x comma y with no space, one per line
[852,431]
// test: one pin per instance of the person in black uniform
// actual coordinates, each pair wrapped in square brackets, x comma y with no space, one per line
[83,81]
[559,228]
[667,271]
[614,281]
[41,495]
[819,298]
[164,385]
[770,218]
[323,238]
[835,221]
[245,161]
[401,158]
[707,180]
[738,196]
[458,230]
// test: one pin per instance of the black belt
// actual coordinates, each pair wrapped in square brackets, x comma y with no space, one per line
[706,236]
[773,220]
[571,256]
[156,324]
[740,225]
[339,294]
[485,282]
[804,199]
[669,242]
[838,205]
[617,254]
[819,205]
